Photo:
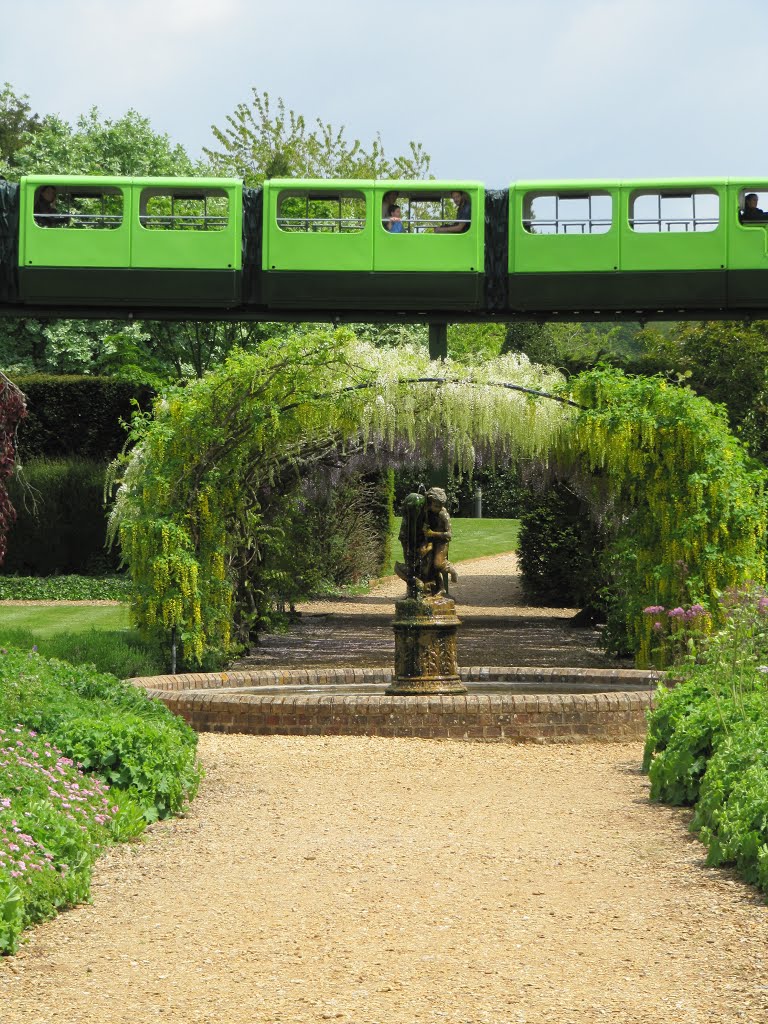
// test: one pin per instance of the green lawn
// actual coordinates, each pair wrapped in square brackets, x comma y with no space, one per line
[472,538]
[45,621]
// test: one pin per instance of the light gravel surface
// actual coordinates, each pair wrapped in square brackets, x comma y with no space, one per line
[487,586]
[376,881]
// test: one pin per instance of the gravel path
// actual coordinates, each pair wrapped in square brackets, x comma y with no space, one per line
[374,881]
[487,586]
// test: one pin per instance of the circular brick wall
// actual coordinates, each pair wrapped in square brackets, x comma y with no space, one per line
[231,702]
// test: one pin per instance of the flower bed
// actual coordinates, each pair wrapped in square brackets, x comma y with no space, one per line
[85,761]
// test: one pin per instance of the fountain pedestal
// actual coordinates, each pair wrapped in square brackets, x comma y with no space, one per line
[425,647]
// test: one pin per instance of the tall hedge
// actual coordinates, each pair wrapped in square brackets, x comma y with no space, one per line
[560,548]
[61,523]
[76,416]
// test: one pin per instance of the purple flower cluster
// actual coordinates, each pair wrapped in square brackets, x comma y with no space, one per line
[32,767]
[684,614]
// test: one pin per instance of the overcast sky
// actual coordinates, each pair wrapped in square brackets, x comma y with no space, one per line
[496,90]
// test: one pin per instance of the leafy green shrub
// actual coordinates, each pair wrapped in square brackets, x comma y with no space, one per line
[53,821]
[145,758]
[121,653]
[676,772]
[707,741]
[66,531]
[68,702]
[732,811]
[65,588]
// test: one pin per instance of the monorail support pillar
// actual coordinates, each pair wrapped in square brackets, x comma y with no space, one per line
[438,341]
[438,349]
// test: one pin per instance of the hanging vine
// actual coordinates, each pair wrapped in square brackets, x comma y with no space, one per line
[193,507]
[199,496]
[688,504]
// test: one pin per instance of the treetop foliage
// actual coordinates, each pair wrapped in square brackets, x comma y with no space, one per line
[259,141]
[127,146]
[17,124]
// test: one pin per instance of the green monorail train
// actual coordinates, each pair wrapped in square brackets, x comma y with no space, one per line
[192,248]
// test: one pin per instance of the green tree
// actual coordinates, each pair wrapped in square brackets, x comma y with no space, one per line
[127,146]
[258,142]
[577,346]
[728,363]
[17,126]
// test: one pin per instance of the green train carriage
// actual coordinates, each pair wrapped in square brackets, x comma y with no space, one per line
[131,241]
[192,248]
[326,246]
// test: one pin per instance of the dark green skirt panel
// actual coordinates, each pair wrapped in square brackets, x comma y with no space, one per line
[618,290]
[382,292]
[99,286]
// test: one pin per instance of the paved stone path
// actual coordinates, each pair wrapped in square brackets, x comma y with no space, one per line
[498,627]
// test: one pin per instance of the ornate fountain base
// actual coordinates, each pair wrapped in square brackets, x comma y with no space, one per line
[425,647]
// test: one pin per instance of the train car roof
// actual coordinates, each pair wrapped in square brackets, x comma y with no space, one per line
[188,181]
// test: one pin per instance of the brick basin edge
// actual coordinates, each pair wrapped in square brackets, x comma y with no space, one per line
[211,703]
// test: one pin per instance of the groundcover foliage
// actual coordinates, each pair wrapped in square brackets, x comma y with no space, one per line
[65,588]
[86,760]
[707,743]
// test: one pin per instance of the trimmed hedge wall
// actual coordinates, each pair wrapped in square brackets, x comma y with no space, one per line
[76,416]
[560,549]
[67,531]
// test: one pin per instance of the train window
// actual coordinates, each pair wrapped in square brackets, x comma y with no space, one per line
[753,206]
[421,212]
[567,213]
[86,207]
[674,211]
[184,209]
[324,211]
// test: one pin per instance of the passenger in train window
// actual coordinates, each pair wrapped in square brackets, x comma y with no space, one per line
[396,220]
[389,200]
[46,212]
[752,211]
[463,216]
